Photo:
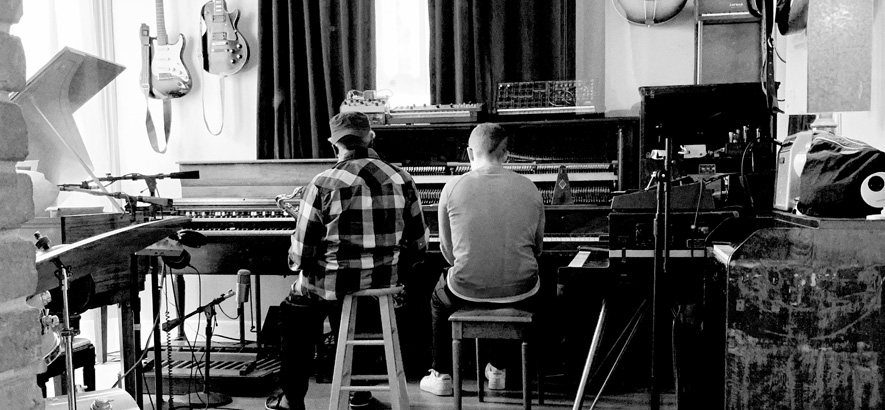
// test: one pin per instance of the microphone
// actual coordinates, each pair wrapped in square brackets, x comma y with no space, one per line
[154,200]
[172,324]
[244,281]
[182,175]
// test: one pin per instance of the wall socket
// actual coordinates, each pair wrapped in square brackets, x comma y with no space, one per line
[707,169]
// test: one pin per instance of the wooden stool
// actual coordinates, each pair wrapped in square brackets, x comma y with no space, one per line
[479,323]
[396,378]
[83,357]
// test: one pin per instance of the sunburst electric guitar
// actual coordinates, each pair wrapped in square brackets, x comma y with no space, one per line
[169,76]
[225,50]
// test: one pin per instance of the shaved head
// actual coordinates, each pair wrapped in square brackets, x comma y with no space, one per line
[489,141]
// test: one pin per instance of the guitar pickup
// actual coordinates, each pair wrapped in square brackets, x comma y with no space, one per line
[219,36]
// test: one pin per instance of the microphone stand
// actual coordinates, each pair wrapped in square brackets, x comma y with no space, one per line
[661,257]
[151,180]
[63,273]
[206,397]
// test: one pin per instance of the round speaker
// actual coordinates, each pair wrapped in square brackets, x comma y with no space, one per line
[181,262]
[648,12]
[872,190]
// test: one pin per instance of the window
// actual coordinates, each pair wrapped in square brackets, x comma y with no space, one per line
[46,27]
[402,30]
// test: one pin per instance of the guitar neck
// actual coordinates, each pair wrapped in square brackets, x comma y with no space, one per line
[162,38]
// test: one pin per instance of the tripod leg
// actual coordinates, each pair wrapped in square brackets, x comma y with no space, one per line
[619,340]
[593,346]
[617,360]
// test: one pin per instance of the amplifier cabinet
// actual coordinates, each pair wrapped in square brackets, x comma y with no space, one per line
[803,326]
[729,43]
[715,7]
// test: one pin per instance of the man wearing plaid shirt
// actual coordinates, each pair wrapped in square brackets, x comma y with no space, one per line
[359,225]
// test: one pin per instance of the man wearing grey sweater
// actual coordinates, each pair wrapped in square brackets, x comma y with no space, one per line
[491,228]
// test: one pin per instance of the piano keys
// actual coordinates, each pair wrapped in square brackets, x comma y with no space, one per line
[247,230]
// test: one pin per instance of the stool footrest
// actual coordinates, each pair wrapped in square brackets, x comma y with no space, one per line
[369,377]
[365,388]
[365,342]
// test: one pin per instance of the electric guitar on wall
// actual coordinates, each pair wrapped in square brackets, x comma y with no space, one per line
[225,50]
[168,76]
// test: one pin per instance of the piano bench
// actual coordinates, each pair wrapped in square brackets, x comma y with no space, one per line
[83,357]
[504,323]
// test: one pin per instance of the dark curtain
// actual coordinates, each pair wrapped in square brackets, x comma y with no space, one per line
[476,44]
[311,53]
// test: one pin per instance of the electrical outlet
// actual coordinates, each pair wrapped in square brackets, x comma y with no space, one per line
[706,168]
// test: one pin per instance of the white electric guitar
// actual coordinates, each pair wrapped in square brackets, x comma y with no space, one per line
[168,76]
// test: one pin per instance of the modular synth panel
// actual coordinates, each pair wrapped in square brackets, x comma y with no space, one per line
[545,97]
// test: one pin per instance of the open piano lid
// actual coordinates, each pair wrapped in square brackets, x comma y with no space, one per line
[48,103]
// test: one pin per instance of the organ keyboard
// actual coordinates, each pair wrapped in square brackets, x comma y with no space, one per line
[249,231]
[236,217]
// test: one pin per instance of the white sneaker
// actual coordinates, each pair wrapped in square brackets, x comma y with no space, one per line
[437,383]
[496,377]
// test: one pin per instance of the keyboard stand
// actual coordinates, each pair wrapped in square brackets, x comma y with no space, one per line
[582,262]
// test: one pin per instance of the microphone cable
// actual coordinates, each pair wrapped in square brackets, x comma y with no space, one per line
[168,338]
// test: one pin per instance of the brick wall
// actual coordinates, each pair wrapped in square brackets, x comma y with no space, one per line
[20,334]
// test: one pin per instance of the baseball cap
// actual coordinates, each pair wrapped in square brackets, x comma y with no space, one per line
[349,123]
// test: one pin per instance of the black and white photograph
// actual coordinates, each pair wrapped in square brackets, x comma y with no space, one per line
[442,204]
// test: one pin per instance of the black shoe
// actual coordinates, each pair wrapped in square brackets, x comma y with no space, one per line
[360,399]
[276,401]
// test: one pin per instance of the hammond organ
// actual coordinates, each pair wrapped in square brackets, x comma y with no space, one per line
[233,205]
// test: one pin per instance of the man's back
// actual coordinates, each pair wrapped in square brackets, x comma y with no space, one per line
[496,222]
[355,220]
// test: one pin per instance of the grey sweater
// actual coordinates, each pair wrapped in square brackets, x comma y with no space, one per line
[491,228]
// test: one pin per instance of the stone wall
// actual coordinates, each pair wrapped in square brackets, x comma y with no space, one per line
[20,330]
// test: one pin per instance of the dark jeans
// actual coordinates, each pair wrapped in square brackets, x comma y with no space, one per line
[301,330]
[442,304]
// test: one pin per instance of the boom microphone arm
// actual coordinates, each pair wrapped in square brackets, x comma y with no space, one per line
[167,326]
[150,180]
[171,175]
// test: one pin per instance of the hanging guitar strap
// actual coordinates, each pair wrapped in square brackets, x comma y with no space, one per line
[203,97]
[146,88]
[167,124]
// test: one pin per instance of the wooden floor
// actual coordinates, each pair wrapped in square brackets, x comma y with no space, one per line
[318,397]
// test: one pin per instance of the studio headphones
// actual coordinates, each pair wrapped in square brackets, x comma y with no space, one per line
[188,238]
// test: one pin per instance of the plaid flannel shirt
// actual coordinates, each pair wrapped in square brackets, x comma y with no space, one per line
[355,222]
